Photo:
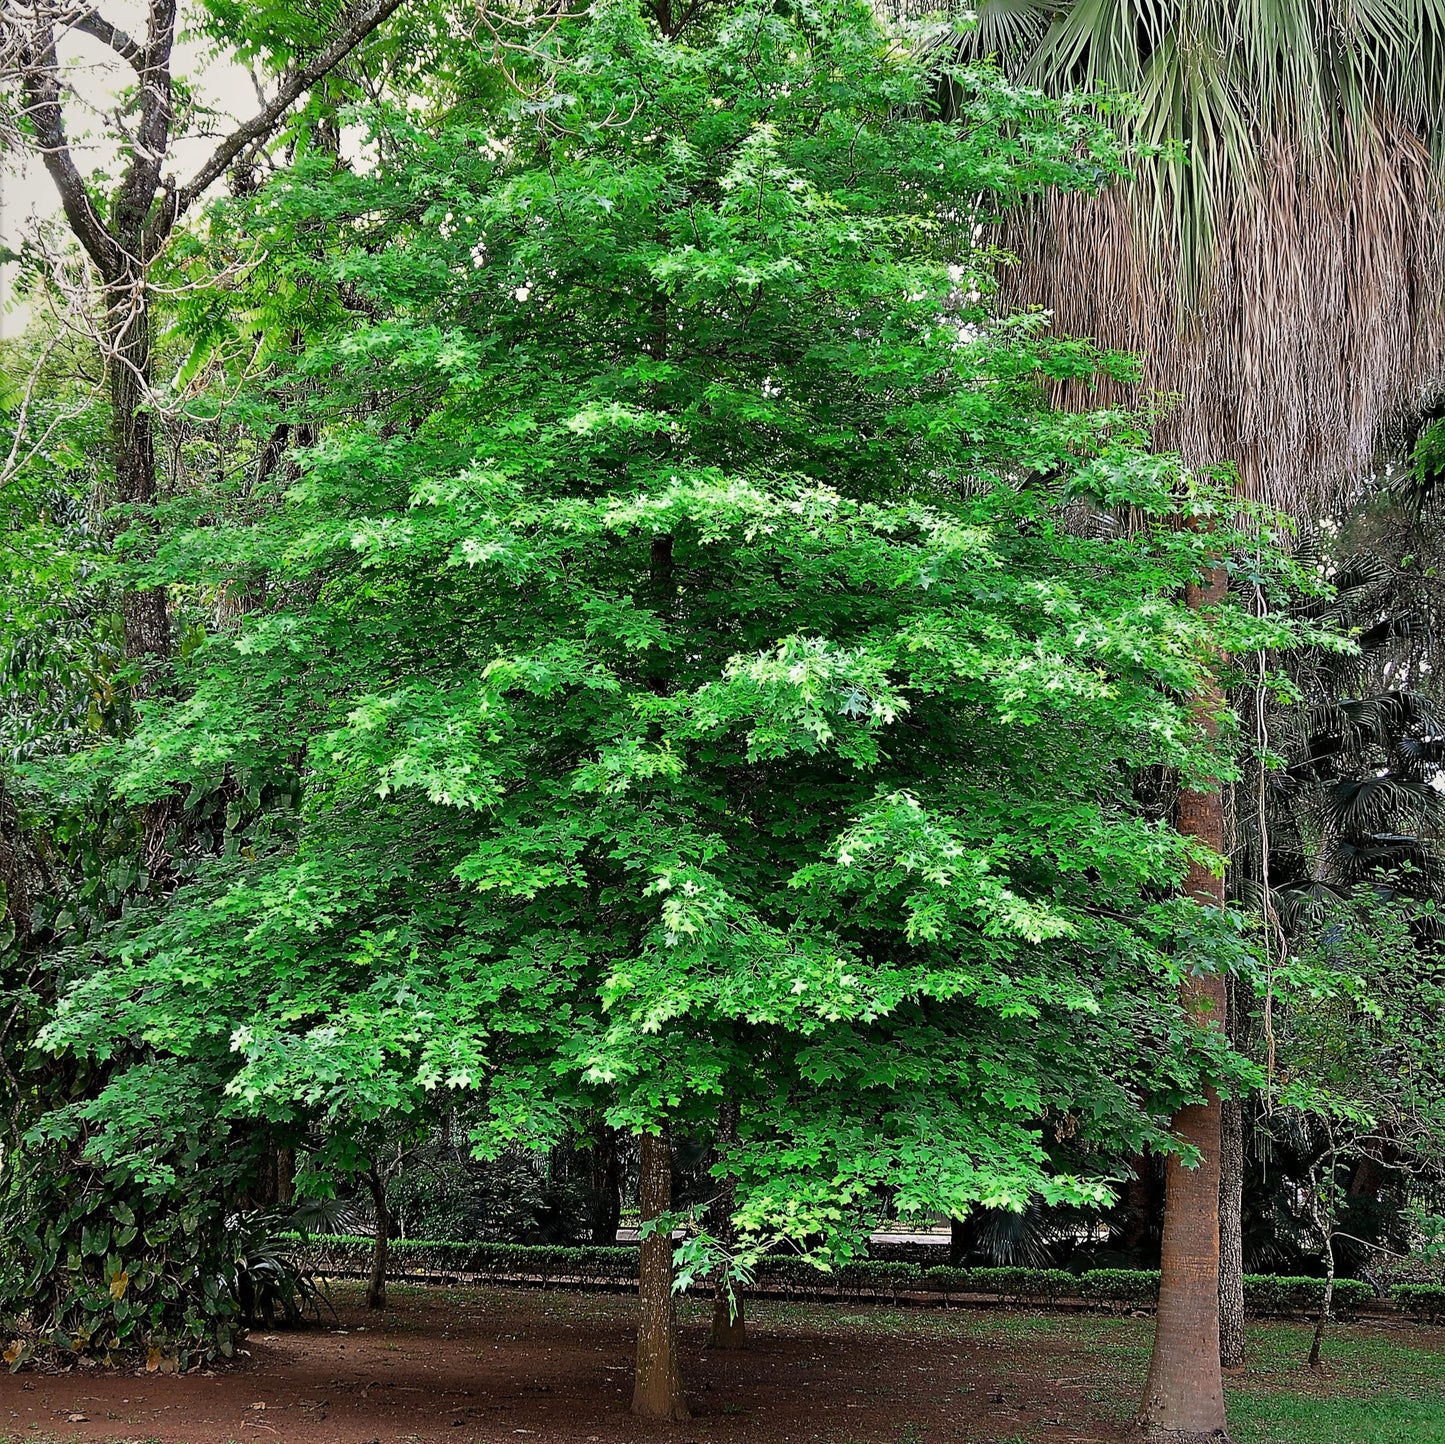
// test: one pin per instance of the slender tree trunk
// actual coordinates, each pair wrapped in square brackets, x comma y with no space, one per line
[729,1326]
[376,1287]
[128,342]
[1327,1301]
[1324,1211]
[657,1388]
[606,1170]
[1231,1235]
[1184,1396]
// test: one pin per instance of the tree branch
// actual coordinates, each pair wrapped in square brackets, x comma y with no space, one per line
[136,196]
[94,24]
[40,81]
[354,30]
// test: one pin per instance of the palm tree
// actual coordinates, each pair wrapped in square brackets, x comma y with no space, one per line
[1277,262]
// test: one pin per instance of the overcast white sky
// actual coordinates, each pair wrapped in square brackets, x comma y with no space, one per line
[98,77]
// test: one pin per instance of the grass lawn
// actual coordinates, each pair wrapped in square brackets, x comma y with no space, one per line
[1379,1387]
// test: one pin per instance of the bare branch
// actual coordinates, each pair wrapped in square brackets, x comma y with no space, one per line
[136,197]
[94,24]
[40,81]
[353,30]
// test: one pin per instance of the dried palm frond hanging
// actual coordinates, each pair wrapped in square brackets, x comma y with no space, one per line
[1279,264]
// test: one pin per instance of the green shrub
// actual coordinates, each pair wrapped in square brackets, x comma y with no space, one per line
[96,1264]
[878,1277]
[1116,1289]
[1425,1301]
[1120,1288]
[1273,1294]
[548,1262]
[946,1280]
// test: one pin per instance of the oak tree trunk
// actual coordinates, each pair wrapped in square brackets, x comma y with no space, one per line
[1184,1395]
[657,1388]
[729,1326]
[376,1285]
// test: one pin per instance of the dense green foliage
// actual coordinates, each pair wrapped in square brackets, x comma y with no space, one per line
[645,637]
[682,644]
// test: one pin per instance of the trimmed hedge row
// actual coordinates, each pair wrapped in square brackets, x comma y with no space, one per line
[1425,1301]
[1114,1289]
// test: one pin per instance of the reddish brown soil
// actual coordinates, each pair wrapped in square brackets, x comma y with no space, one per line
[500,1365]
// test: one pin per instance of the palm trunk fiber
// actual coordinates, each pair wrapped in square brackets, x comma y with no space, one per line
[962,1234]
[657,1388]
[1184,1395]
[606,1168]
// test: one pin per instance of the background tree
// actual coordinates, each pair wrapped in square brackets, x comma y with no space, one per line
[125,233]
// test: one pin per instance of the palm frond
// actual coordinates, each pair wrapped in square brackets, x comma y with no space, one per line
[1280,263]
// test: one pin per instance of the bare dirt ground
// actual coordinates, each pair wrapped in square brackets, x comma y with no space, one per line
[510,1365]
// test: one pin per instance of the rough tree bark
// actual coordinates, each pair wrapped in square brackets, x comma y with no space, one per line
[1231,1234]
[1184,1395]
[729,1326]
[1231,1210]
[657,1388]
[376,1285]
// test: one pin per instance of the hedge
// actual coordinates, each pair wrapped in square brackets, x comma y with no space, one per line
[1271,1294]
[551,1263]
[1113,1289]
[1425,1301]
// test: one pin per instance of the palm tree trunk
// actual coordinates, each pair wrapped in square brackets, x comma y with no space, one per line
[657,1387]
[376,1286]
[729,1326]
[1184,1395]
[961,1239]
